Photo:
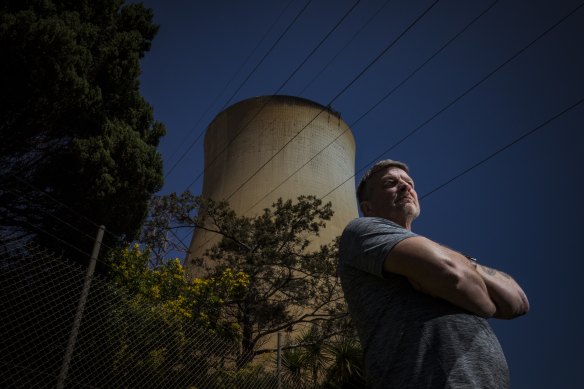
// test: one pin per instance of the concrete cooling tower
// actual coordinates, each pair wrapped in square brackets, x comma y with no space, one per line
[248,136]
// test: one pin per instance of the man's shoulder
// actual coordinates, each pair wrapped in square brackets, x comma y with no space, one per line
[364,224]
[364,232]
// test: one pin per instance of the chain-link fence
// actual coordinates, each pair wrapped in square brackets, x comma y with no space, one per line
[121,342]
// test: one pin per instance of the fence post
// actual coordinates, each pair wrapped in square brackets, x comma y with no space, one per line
[80,308]
[279,361]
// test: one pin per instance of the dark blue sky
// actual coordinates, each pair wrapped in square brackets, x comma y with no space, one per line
[519,211]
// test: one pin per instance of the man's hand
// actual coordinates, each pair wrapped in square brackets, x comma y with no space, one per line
[507,295]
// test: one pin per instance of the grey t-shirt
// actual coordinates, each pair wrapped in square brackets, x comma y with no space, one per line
[410,339]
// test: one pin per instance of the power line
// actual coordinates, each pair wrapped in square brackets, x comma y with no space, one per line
[525,135]
[239,69]
[53,199]
[384,51]
[81,251]
[30,202]
[375,14]
[459,97]
[274,94]
[393,90]
[179,239]
[64,206]
[55,217]
[267,53]
[57,238]
[338,94]
[380,101]
[319,44]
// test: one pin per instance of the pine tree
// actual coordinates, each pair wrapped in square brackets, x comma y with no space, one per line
[78,141]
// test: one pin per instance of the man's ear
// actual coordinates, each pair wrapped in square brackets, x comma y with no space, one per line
[365,208]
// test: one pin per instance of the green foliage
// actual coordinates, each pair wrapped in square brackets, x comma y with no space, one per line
[312,361]
[72,121]
[167,290]
[251,376]
[294,364]
[291,282]
[345,369]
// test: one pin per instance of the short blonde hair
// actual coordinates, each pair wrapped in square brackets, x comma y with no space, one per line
[364,190]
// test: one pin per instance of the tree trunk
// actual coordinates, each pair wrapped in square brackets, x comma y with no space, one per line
[247,344]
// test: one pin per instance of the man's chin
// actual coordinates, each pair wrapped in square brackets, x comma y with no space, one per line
[412,209]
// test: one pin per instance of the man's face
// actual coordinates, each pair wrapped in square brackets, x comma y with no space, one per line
[392,196]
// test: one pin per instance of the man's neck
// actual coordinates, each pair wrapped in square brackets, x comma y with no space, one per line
[405,222]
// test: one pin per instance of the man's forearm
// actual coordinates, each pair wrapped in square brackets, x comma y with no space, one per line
[507,295]
[440,272]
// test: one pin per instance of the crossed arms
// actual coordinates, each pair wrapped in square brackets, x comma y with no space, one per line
[441,272]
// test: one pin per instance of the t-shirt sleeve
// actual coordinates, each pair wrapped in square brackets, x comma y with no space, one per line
[366,242]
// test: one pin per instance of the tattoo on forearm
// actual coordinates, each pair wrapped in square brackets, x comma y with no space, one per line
[493,272]
[489,271]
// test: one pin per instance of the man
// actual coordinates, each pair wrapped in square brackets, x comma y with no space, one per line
[420,308]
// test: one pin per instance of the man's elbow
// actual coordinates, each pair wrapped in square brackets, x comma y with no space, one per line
[519,308]
[524,305]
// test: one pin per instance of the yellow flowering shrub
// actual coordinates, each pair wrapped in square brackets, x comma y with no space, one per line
[167,288]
